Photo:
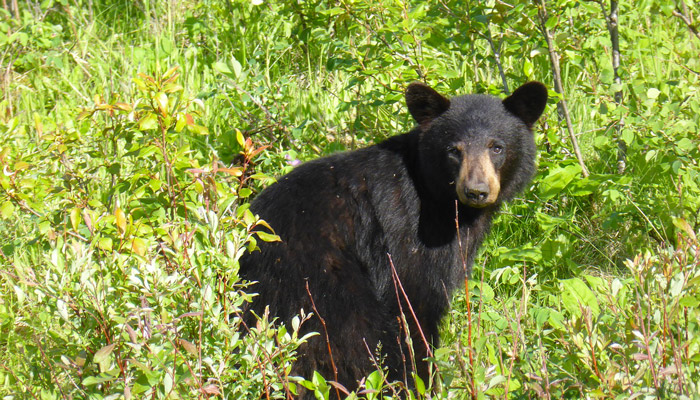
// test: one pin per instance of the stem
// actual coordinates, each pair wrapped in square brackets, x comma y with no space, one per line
[497,56]
[328,340]
[681,12]
[611,21]
[466,300]
[399,285]
[558,87]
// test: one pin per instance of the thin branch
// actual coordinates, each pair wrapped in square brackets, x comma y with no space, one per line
[328,340]
[464,257]
[681,12]
[558,87]
[399,285]
[496,49]
[611,21]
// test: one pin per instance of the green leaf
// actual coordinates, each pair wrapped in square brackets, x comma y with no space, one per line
[557,180]
[556,319]
[267,237]
[162,102]
[319,382]
[166,45]
[239,138]
[653,93]
[101,378]
[236,67]
[575,293]
[528,68]
[686,144]
[649,155]
[541,316]
[584,187]
[148,122]
[374,380]
[689,301]
[222,68]
[181,122]
[198,129]
[551,22]
[627,136]
[6,209]
[103,353]
[75,218]
[420,386]
[105,243]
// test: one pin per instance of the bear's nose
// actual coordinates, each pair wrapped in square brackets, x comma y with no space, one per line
[477,193]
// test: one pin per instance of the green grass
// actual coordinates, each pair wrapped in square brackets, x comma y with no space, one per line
[134,134]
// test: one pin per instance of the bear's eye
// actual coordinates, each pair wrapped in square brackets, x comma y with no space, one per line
[496,148]
[454,151]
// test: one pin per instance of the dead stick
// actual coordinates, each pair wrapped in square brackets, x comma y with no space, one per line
[397,281]
[328,340]
[558,87]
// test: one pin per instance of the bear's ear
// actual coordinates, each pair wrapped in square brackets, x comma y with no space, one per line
[424,103]
[527,102]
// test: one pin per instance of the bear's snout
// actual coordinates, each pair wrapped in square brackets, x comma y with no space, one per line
[477,193]
[478,183]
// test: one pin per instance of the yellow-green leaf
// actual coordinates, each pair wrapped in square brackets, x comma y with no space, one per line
[267,237]
[38,125]
[181,123]
[7,209]
[81,358]
[162,100]
[683,225]
[149,121]
[85,114]
[123,106]
[121,220]
[199,129]
[172,88]
[105,243]
[103,353]
[239,138]
[235,171]
[169,73]
[75,218]
[191,348]
[139,246]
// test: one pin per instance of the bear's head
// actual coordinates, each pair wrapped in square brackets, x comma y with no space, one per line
[477,149]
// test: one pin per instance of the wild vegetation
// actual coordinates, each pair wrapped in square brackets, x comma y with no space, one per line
[134,133]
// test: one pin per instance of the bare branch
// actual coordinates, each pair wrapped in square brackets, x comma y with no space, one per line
[558,87]
[681,12]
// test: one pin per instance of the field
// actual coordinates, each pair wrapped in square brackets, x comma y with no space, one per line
[133,135]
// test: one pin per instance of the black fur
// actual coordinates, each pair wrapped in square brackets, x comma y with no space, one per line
[340,217]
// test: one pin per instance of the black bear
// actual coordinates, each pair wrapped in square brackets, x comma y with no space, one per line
[349,220]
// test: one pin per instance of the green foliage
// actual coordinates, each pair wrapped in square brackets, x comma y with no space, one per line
[125,186]
[596,336]
[122,277]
